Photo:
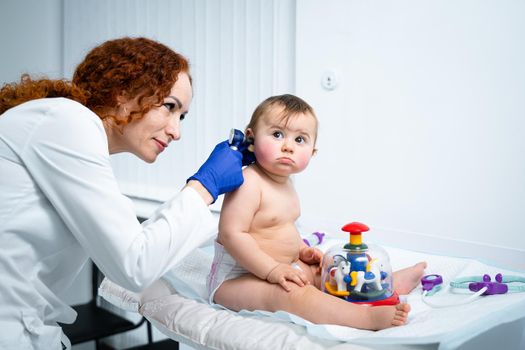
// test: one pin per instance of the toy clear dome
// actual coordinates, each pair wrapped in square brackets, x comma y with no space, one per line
[358,272]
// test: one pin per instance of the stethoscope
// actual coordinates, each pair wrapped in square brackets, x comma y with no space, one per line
[481,285]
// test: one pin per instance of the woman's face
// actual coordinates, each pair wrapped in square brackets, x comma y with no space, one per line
[148,136]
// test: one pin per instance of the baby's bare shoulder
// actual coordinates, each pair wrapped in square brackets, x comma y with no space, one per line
[251,183]
[250,174]
[250,169]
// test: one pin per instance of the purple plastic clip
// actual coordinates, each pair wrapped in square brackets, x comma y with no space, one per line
[496,287]
[319,236]
[430,281]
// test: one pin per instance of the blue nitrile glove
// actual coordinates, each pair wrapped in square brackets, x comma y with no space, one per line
[248,157]
[221,172]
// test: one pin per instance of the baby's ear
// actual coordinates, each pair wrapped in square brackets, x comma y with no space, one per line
[314,152]
[248,133]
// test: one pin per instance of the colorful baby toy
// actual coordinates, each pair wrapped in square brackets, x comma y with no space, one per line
[358,273]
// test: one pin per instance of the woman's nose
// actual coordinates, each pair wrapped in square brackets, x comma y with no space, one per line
[173,128]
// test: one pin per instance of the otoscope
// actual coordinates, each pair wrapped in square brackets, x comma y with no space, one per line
[238,141]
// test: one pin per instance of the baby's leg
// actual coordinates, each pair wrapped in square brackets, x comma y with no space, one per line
[407,279]
[251,293]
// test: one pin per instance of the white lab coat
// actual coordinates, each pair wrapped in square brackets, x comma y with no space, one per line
[59,205]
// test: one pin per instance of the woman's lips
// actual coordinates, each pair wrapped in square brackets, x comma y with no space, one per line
[161,145]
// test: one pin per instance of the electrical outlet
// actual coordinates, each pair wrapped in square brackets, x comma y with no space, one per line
[329,80]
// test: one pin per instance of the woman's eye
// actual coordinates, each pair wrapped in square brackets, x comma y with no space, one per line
[169,105]
[277,134]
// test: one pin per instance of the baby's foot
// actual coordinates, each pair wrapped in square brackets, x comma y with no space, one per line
[389,316]
[401,314]
[407,279]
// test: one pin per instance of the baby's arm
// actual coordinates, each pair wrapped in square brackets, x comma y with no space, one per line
[237,213]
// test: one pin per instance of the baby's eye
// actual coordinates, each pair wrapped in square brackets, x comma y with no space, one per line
[300,139]
[169,105]
[277,134]
[182,116]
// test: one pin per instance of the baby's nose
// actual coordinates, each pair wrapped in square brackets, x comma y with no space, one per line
[287,146]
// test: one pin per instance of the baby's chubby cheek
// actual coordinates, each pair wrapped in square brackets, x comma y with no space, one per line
[302,160]
[264,154]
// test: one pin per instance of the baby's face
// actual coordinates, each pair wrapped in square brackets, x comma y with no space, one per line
[284,147]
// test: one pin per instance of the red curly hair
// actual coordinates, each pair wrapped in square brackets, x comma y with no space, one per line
[13,94]
[138,69]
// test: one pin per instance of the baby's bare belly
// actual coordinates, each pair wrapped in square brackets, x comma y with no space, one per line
[280,242]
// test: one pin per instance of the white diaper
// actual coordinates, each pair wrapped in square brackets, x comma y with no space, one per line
[223,268]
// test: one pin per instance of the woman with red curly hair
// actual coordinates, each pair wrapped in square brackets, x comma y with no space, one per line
[59,201]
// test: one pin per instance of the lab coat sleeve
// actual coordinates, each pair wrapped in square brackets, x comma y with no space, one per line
[67,155]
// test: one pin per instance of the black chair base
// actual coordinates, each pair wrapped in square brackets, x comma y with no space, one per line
[94,323]
[167,344]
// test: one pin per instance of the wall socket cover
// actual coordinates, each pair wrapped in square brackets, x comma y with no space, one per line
[329,80]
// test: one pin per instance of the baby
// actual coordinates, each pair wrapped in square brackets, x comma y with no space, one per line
[261,262]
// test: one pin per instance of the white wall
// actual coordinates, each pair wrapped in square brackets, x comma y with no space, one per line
[31,40]
[424,132]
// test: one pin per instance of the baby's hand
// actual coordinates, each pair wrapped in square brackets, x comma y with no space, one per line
[284,274]
[310,255]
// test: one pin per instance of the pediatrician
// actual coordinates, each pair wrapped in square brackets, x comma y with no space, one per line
[60,203]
